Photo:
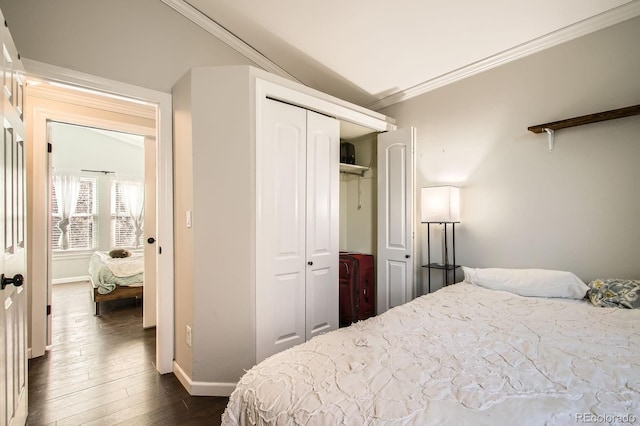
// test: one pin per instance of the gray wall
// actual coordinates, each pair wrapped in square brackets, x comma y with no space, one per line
[576,208]
[141,42]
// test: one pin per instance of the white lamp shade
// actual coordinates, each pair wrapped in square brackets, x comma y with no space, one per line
[440,204]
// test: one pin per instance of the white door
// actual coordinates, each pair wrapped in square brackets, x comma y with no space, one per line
[150,236]
[323,210]
[280,228]
[297,227]
[47,272]
[13,294]
[395,274]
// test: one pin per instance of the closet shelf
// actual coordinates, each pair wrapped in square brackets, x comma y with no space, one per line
[353,169]
[587,119]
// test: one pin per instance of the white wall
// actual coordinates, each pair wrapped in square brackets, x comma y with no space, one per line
[358,201]
[575,208]
[76,148]
[84,148]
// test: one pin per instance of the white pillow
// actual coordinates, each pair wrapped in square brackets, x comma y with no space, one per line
[528,282]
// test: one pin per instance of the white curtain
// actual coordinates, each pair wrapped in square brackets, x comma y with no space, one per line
[133,193]
[67,187]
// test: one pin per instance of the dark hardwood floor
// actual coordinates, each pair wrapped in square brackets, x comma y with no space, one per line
[100,370]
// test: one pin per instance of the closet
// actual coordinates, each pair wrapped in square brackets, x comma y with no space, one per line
[376,211]
[257,206]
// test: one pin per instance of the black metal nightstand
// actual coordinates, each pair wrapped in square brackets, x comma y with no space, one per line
[445,267]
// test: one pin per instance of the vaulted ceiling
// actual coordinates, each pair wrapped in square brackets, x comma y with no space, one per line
[370,52]
[376,49]
[381,49]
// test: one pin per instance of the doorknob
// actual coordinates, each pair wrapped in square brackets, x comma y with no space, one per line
[310,263]
[407,256]
[17,280]
[151,240]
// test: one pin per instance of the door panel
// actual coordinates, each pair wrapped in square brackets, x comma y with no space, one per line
[320,305]
[395,218]
[322,221]
[280,236]
[397,273]
[396,234]
[286,313]
[21,333]
[10,354]
[289,191]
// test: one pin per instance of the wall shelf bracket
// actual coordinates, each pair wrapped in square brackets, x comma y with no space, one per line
[551,137]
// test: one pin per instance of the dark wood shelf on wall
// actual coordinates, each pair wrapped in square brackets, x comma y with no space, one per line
[587,119]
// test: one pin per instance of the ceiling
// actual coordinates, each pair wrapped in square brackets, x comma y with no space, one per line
[373,53]
[378,52]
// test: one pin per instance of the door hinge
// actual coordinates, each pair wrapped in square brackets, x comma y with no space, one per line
[159,249]
[49,147]
[48,309]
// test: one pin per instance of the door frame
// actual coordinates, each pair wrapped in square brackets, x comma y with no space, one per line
[164,179]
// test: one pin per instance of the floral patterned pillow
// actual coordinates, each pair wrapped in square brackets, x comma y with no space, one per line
[615,293]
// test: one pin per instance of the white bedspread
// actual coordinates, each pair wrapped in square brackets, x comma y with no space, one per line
[125,266]
[462,355]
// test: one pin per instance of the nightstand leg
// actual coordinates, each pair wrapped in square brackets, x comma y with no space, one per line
[429,256]
[453,241]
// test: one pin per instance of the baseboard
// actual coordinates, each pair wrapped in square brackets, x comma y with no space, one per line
[70,280]
[202,388]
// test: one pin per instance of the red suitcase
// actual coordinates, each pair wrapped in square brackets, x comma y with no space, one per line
[348,312]
[357,287]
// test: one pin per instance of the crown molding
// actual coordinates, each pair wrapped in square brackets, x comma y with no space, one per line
[221,33]
[587,26]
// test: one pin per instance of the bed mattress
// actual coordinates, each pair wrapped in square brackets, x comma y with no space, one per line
[462,355]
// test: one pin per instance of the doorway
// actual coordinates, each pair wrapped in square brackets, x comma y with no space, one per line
[97,201]
[44,101]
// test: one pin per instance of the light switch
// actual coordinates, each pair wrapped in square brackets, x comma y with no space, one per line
[188,218]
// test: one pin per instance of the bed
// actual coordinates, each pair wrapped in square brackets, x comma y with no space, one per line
[466,354]
[115,278]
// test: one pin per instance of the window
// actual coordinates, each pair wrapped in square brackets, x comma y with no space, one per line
[74,226]
[127,214]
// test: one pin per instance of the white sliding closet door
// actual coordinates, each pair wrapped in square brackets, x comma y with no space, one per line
[323,210]
[281,226]
[297,185]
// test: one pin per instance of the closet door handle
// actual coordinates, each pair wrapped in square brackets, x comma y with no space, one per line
[151,240]
[407,256]
[310,263]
